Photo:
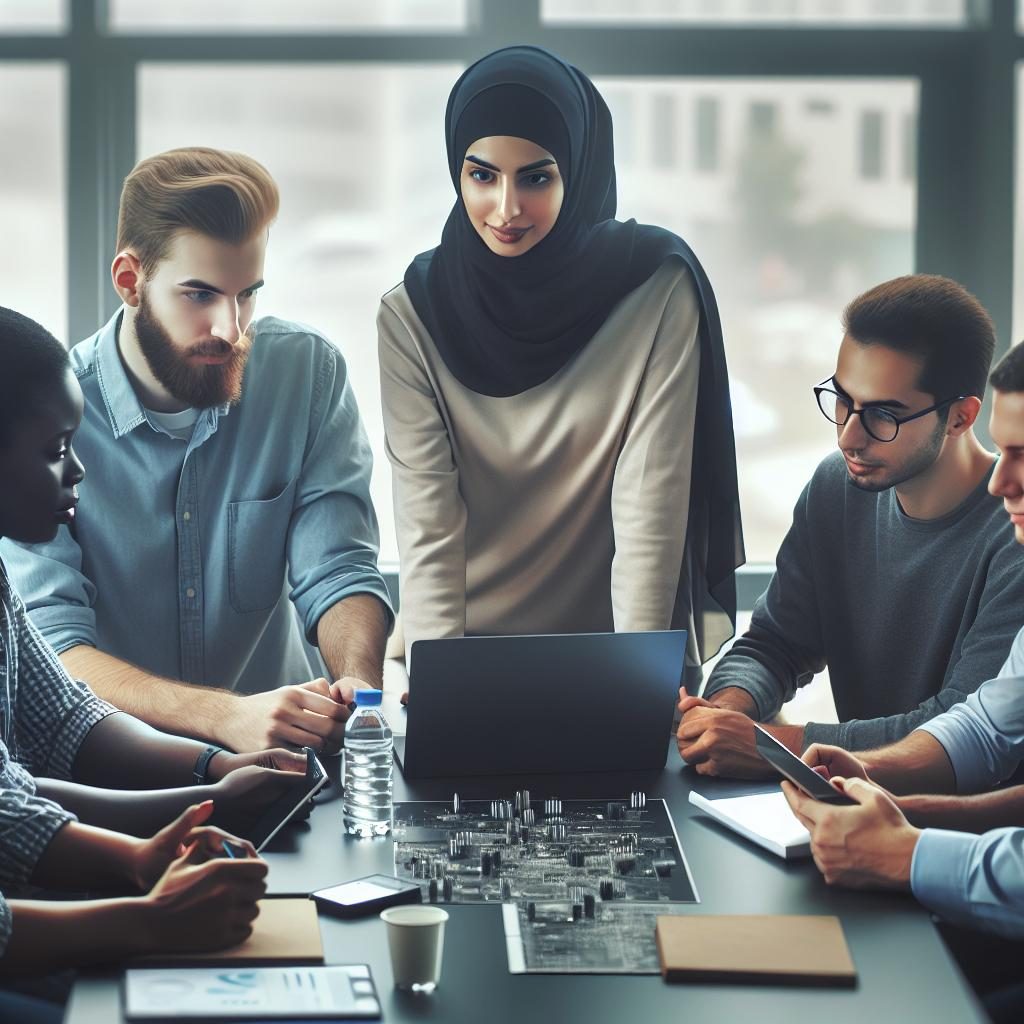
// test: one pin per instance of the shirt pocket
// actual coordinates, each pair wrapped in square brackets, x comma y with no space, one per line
[257,550]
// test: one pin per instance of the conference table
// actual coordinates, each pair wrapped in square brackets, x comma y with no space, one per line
[904,970]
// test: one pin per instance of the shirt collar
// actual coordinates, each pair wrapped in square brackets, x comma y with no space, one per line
[124,409]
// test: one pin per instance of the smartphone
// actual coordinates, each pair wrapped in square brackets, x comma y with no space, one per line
[805,778]
[284,808]
[366,895]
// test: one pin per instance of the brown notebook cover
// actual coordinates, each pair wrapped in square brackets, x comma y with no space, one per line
[286,932]
[782,949]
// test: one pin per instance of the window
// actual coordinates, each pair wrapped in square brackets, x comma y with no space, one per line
[871,144]
[706,140]
[789,13]
[33,208]
[788,232]
[44,16]
[358,153]
[663,113]
[294,16]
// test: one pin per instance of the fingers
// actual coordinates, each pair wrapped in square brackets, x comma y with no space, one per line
[689,703]
[405,697]
[285,760]
[211,840]
[806,808]
[308,734]
[320,702]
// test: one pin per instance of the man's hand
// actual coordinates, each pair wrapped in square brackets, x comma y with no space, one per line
[304,715]
[202,906]
[154,856]
[835,761]
[240,797]
[869,846]
[720,741]
[225,762]
[344,690]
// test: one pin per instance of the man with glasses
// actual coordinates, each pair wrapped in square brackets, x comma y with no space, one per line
[899,573]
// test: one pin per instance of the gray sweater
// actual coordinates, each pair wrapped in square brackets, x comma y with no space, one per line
[909,615]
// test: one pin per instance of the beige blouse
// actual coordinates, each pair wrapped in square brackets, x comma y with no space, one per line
[559,510]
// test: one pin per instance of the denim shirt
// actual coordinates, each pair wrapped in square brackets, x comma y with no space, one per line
[186,557]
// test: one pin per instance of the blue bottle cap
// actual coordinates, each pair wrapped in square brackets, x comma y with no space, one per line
[368,698]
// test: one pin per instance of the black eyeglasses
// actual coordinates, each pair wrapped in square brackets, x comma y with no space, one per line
[881,424]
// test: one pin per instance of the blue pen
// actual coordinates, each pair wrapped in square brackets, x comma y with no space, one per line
[230,851]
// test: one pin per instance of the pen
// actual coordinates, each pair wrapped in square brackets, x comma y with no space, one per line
[229,850]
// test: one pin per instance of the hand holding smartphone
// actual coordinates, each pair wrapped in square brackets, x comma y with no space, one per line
[805,778]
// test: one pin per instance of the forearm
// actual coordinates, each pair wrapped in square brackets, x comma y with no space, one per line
[352,635]
[51,935]
[134,812]
[173,707]
[979,813]
[83,857]
[121,752]
[735,699]
[917,764]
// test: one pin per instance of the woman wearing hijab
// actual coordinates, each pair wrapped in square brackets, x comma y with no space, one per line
[554,388]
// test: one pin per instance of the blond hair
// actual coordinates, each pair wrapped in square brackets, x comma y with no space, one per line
[226,196]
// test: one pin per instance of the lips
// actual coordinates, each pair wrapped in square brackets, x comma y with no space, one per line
[67,514]
[508,236]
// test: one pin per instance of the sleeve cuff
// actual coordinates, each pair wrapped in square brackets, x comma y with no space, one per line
[938,872]
[65,626]
[27,825]
[971,772]
[314,605]
[77,724]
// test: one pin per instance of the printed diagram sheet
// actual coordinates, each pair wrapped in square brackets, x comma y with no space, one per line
[583,851]
[555,938]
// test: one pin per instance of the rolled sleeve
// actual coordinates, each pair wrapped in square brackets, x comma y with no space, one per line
[333,538]
[27,825]
[972,880]
[984,736]
[53,713]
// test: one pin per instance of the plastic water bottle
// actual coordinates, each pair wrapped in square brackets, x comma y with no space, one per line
[367,808]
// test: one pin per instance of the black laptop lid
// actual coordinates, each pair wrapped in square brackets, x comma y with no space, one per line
[499,705]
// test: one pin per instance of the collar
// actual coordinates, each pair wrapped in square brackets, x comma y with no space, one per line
[124,410]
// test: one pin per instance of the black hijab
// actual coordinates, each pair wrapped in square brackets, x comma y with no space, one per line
[505,324]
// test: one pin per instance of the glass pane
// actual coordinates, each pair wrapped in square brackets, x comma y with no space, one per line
[358,153]
[32,16]
[1018,243]
[33,205]
[293,16]
[766,12]
[797,195]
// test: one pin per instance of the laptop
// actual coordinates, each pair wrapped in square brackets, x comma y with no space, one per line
[506,705]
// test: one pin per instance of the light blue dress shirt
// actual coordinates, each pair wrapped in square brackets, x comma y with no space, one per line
[210,559]
[965,878]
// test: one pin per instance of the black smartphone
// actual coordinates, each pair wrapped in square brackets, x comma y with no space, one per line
[284,808]
[805,778]
[366,895]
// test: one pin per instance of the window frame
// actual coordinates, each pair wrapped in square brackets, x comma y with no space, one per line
[967,94]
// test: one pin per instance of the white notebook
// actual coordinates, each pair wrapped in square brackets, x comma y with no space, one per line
[764,818]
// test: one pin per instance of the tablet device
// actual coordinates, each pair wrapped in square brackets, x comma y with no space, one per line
[805,778]
[284,808]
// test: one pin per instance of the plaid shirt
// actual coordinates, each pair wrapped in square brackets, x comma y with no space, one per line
[44,716]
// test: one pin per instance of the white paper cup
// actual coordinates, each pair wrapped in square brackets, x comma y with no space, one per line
[416,942]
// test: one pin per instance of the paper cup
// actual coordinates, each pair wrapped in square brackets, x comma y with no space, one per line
[416,942]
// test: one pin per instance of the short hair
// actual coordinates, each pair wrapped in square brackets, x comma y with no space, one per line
[226,196]
[1009,372]
[30,358]
[934,319]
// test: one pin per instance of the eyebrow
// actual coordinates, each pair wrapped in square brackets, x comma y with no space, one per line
[891,402]
[193,282]
[535,166]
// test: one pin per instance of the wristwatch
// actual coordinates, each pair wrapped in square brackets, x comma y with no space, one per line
[200,771]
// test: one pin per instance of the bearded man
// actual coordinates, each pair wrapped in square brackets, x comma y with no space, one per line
[226,528]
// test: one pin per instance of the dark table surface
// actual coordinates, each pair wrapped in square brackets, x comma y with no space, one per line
[904,970]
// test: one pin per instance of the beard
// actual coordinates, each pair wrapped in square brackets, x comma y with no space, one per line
[199,386]
[915,464]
